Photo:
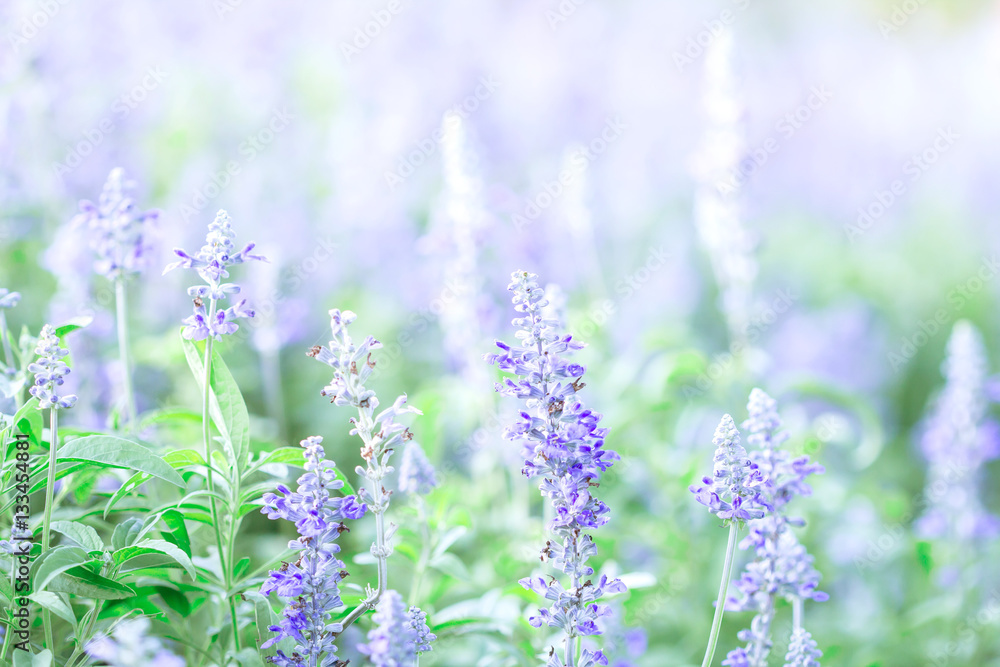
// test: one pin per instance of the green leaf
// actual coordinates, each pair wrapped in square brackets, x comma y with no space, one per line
[115,452]
[83,535]
[178,530]
[83,582]
[226,405]
[171,550]
[177,459]
[241,567]
[125,533]
[56,604]
[74,324]
[28,420]
[56,561]
[175,600]
[26,659]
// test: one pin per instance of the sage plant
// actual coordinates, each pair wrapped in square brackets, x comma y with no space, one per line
[50,372]
[958,438]
[380,434]
[732,493]
[210,323]
[130,645]
[311,584]
[399,635]
[781,568]
[564,447]
[118,232]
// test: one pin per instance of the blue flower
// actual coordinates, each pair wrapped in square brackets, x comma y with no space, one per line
[563,445]
[423,637]
[416,474]
[118,229]
[732,493]
[129,645]
[310,585]
[9,299]
[802,651]
[393,640]
[212,263]
[50,371]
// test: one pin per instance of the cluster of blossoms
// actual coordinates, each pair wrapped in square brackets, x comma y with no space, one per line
[50,371]
[957,440]
[399,635]
[416,473]
[212,263]
[310,585]
[381,435]
[118,229]
[781,568]
[564,446]
[130,645]
[733,492]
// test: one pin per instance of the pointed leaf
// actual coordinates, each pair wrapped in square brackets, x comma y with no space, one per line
[56,561]
[82,534]
[119,453]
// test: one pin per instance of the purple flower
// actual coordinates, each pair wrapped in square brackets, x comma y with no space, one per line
[564,447]
[957,439]
[212,263]
[802,651]
[118,229]
[732,493]
[130,645]
[393,640]
[781,568]
[416,474]
[310,585]
[49,370]
[9,299]
[423,637]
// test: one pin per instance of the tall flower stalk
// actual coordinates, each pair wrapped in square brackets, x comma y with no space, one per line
[311,585]
[564,447]
[399,635]
[119,237]
[50,370]
[781,568]
[733,494]
[380,434]
[210,323]
[8,299]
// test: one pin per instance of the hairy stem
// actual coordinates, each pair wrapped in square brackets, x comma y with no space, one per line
[720,605]
[121,300]
[47,516]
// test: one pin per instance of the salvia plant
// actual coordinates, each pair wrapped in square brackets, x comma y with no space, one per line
[563,447]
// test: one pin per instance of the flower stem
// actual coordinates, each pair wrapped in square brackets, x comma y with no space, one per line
[425,550]
[206,422]
[797,614]
[47,516]
[720,605]
[8,354]
[121,300]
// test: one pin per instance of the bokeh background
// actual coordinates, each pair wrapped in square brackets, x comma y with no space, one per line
[796,196]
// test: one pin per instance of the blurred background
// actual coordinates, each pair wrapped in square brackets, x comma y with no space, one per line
[727,195]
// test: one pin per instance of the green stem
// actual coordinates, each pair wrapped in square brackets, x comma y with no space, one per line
[206,423]
[121,300]
[47,517]
[720,604]
[8,354]
[425,551]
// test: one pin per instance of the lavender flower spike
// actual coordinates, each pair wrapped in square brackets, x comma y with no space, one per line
[802,651]
[380,433]
[212,263]
[781,568]
[416,474]
[310,585]
[732,493]
[399,636]
[564,446]
[118,229]
[129,645]
[9,299]
[49,370]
